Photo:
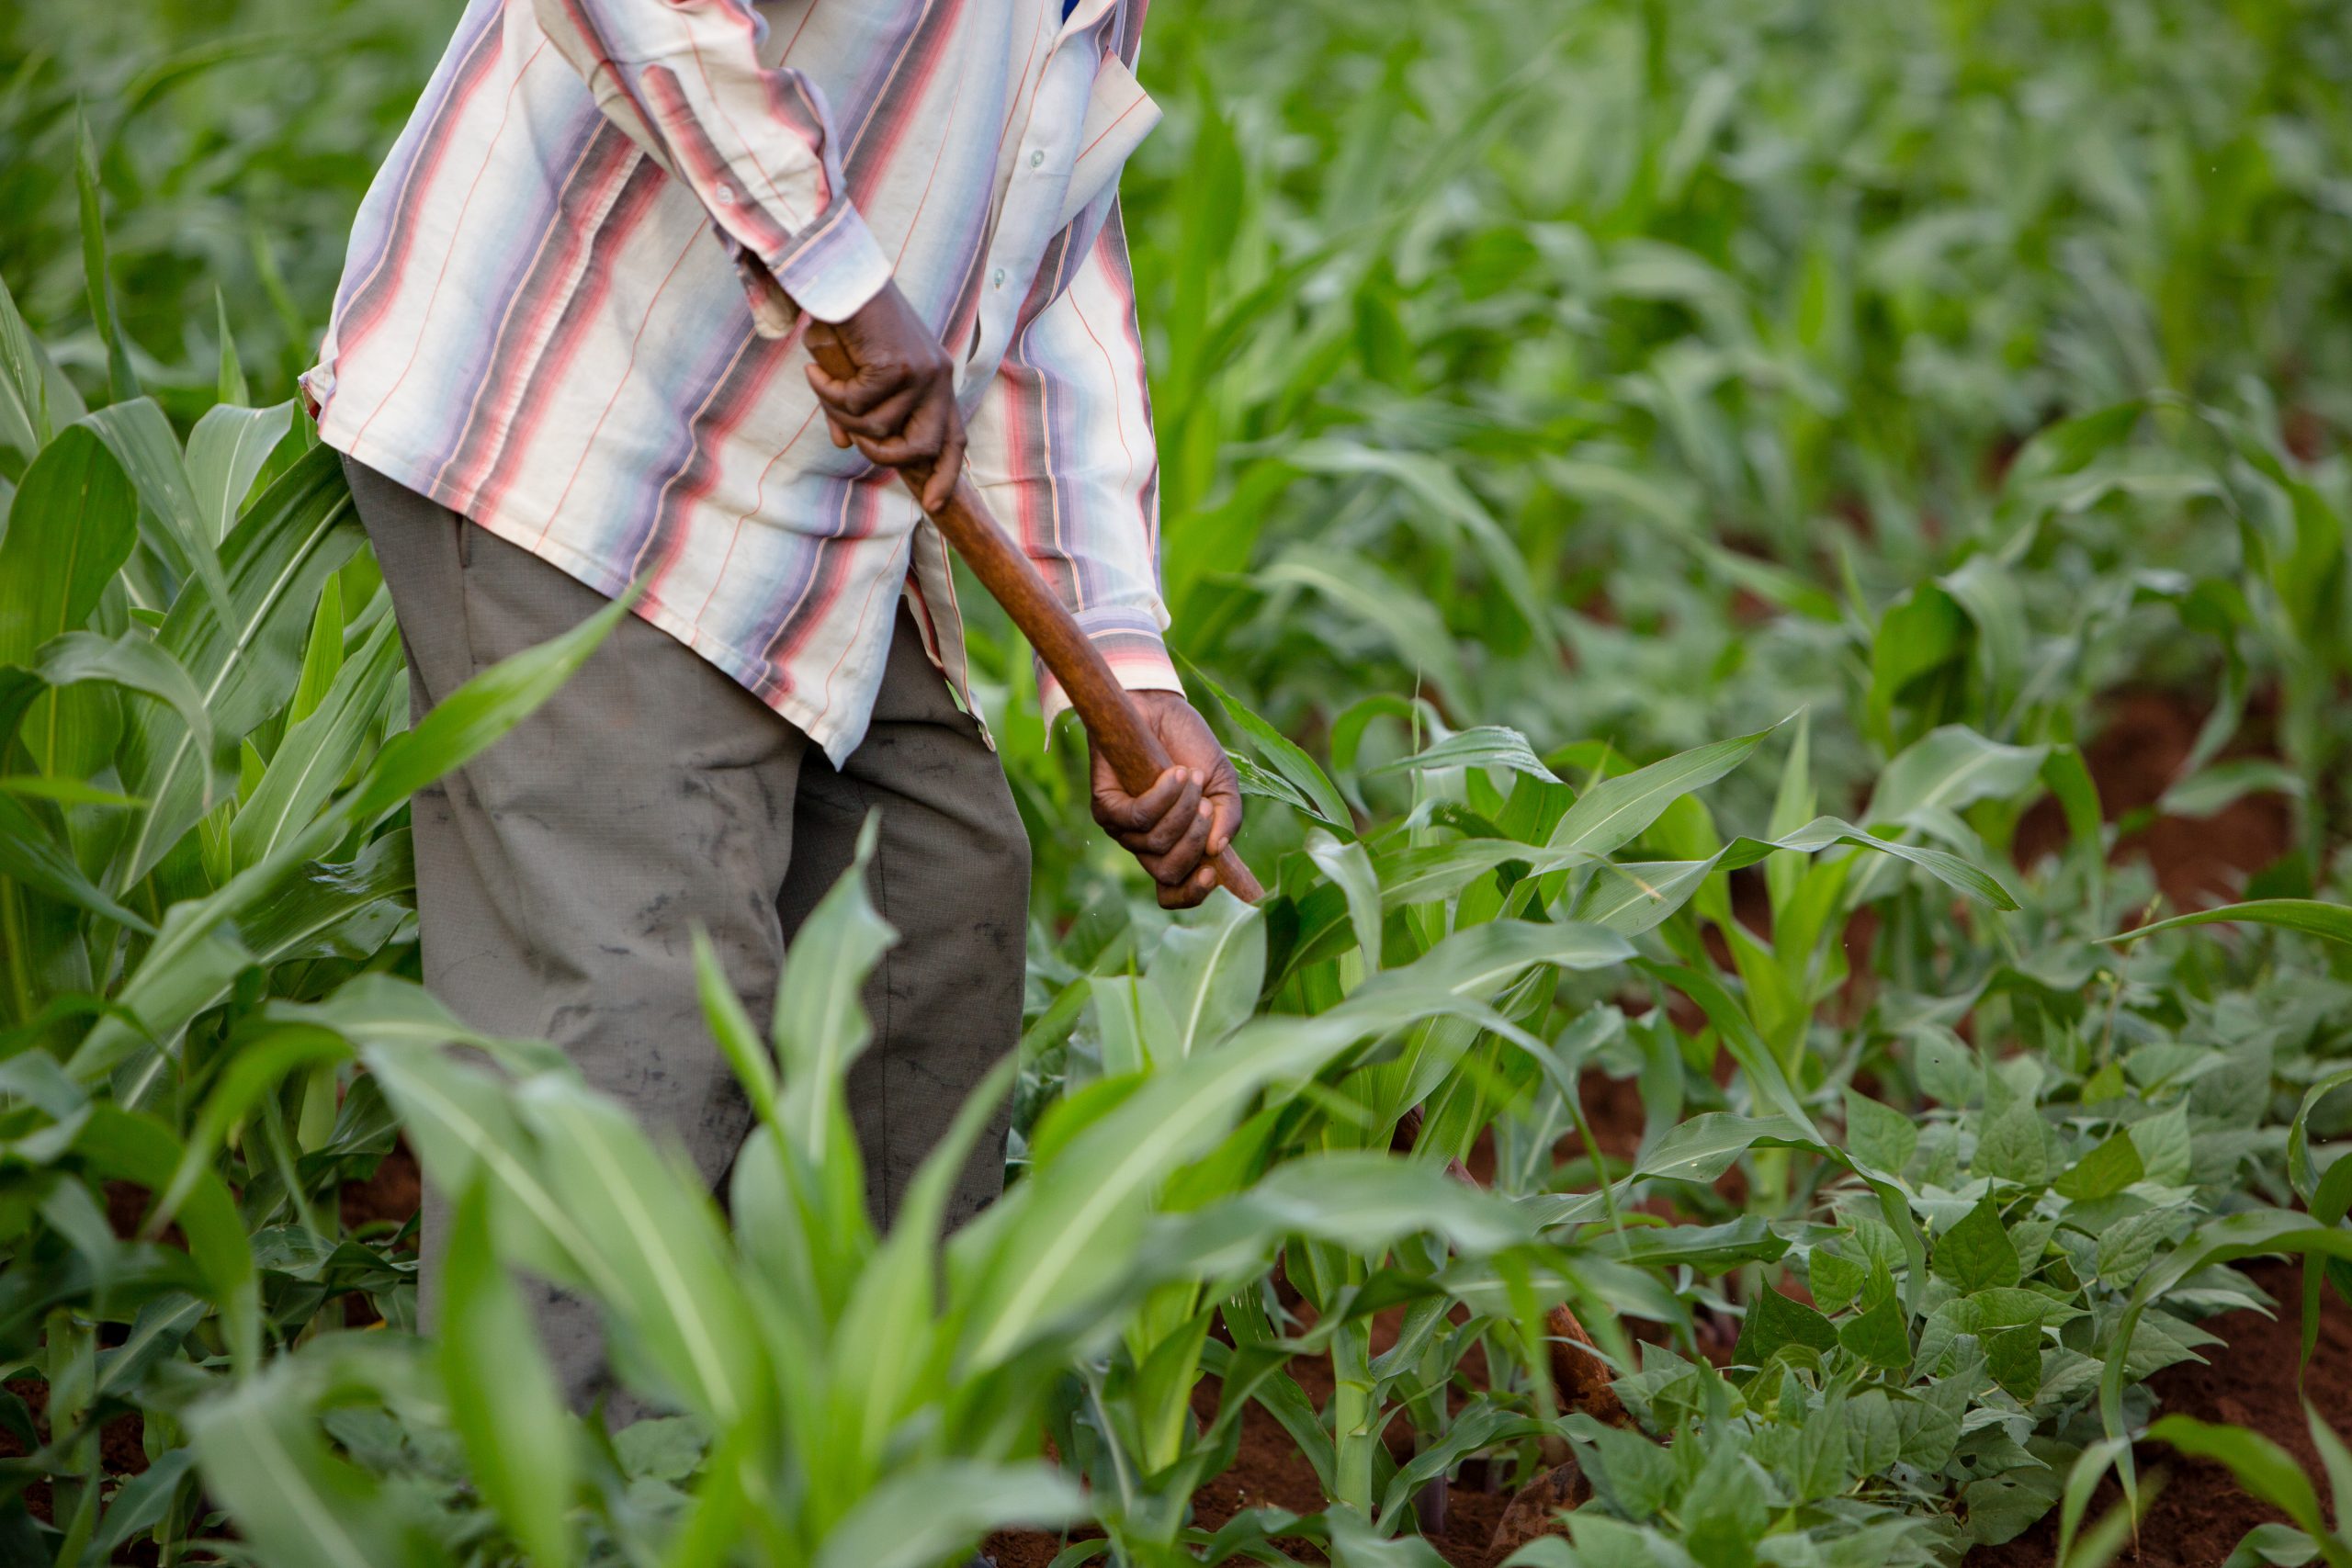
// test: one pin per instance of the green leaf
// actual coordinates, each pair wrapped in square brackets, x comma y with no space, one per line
[820,1021]
[1950,769]
[2107,1169]
[1614,812]
[136,663]
[1398,613]
[2013,1355]
[28,855]
[470,719]
[2261,1466]
[1775,1321]
[1878,1336]
[140,435]
[121,384]
[1879,1135]
[1292,766]
[502,1395]
[70,525]
[2309,916]
[1833,1279]
[319,752]
[225,454]
[294,1500]
[1350,867]
[2013,1145]
[35,400]
[933,1509]
[1977,1254]
[2165,1147]
[1210,965]
[1481,746]
[247,664]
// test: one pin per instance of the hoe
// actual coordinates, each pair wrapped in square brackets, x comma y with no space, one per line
[1137,758]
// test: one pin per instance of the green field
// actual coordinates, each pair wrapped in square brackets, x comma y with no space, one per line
[1739,546]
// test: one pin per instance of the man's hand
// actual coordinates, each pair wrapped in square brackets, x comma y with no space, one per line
[900,406]
[1179,826]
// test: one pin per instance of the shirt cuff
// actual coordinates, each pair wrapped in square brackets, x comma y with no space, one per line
[833,267]
[1129,641]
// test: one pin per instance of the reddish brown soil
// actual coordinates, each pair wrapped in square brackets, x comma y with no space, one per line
[122,1450]
[2202,1513]
[389,1196]
[2135,757]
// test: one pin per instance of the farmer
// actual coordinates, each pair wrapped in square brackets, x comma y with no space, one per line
[552,375]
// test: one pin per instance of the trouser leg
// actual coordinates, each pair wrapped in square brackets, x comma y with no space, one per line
[950,876]
[561,875]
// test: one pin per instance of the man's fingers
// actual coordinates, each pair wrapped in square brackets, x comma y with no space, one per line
[882,420]
[1177,864]
[1181,815]
[1226,807]
[1191,891]
[1123,813]
[859,394]
[944,472]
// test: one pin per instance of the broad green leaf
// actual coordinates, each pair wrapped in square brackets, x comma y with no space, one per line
[470,719]
[1352,871]
[29,855]
[295,1501]
[1879,1135]
[313,907]
[2013,1145]
[1976,1253]
[502,1395]
[141,437]
[2310,917]
[1774,1321]
[1366,1200]
[35,400]
[139,1504]
[820,1022]
[2107,1169]
[1878,1336]
[71,527]
[1615,811]
[225,453]
[1292,766]
[1481,746]
[318,753]
[115,1144]
[2262,1467]
[276,560]
[1441,488]
[1401,616]
[657,1234]
[1209,967]
[136,663]
[1950,770]
[923,1515]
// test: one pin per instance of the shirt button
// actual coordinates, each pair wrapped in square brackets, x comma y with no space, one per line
[726,196]
[998,279]
[1038,158]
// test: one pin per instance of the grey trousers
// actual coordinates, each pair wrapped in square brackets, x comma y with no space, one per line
[561,875]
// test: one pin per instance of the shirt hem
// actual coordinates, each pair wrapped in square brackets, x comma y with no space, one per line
[754,674]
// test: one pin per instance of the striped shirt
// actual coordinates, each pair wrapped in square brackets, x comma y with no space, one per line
[544,323]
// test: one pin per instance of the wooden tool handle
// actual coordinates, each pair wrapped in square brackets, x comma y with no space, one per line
[1118,732]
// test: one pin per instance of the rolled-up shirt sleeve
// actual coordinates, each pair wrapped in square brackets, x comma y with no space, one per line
[1062,447]
[756,145]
